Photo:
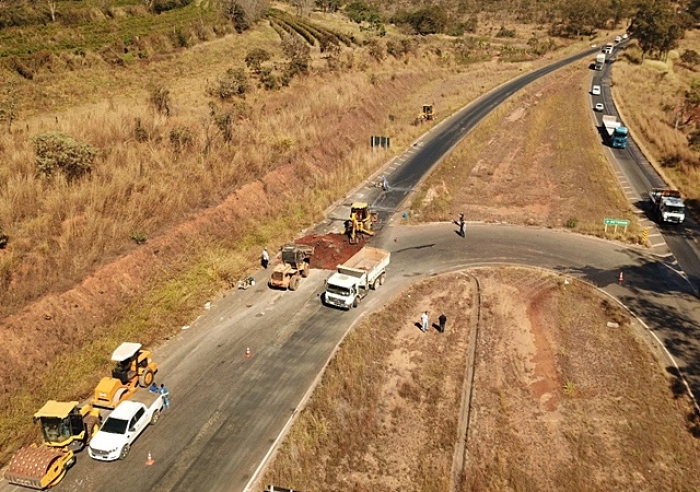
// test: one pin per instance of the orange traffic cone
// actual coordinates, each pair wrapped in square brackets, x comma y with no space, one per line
[150,460]
[247,352]
[619,278]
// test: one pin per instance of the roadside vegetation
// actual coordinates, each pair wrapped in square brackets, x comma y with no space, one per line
[660,98]
[150,150]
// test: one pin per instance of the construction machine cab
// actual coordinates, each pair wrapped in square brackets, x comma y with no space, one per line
[360,222]
[427,112]
[66,424]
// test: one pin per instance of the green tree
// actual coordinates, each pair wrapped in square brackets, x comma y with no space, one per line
[328,5]
[255,58]
[658,27]
[59,153]
[233,82]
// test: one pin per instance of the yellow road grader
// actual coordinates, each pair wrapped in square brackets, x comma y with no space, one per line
[66,428]
[360,222]
[134,367]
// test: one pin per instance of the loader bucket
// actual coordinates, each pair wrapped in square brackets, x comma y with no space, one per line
[38,467]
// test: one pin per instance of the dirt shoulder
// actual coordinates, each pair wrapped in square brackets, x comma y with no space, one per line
[560,400]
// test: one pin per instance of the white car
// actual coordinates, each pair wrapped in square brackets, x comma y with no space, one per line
[596,90]
[121,428]
[599,107]
[625,36]
[618,39]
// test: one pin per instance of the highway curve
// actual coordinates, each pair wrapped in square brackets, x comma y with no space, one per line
[229,410]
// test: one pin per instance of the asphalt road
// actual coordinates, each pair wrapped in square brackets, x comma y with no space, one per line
[638,177]
[229,410]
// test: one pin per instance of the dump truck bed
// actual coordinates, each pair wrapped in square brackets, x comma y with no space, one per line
[364,261]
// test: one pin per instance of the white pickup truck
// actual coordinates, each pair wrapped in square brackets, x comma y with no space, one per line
[363,271]
[121,428]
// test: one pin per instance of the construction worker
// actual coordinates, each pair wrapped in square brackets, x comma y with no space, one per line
[265,258]
[153,388]
[166,396]
[385,183]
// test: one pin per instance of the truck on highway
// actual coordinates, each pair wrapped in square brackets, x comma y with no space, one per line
[599,61]
[608,49]
[616,134]
[365,270]
[121,428]
[667,205]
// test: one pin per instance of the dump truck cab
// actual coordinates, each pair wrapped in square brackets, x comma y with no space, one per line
[134,367]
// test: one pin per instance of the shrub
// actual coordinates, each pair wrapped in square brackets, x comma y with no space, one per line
[181,38]
[223,121]
[234,82]
[375,49]
[255,58]
[140,132]
[138,237]
[299,55]
[160,99]
[57,152]
[571,222]
[159,6]
[181,138]
[361,11]
[690,57]
[505,33]
[268,80]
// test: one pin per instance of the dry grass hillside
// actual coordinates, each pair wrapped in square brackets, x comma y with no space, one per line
[652,97]
[175,209]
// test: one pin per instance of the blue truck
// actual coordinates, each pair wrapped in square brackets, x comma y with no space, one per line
[616,134]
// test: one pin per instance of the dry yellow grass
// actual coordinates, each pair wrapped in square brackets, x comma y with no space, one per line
[553,408]
[532,163]
[647,94]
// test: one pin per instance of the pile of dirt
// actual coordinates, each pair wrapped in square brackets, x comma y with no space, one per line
[330,249]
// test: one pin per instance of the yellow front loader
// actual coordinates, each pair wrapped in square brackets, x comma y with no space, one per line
[66,428]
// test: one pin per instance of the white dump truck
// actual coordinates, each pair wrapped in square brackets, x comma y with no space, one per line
[599,61]
[667,205]
[119,431]
[363,271]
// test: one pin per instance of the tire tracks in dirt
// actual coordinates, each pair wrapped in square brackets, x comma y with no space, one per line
[459,460]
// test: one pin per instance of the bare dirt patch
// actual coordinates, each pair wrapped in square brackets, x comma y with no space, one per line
[560,401]
[330,250]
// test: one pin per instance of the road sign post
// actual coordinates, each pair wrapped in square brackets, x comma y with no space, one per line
[615,223]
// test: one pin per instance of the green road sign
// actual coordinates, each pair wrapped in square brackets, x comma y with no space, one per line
[617,222]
